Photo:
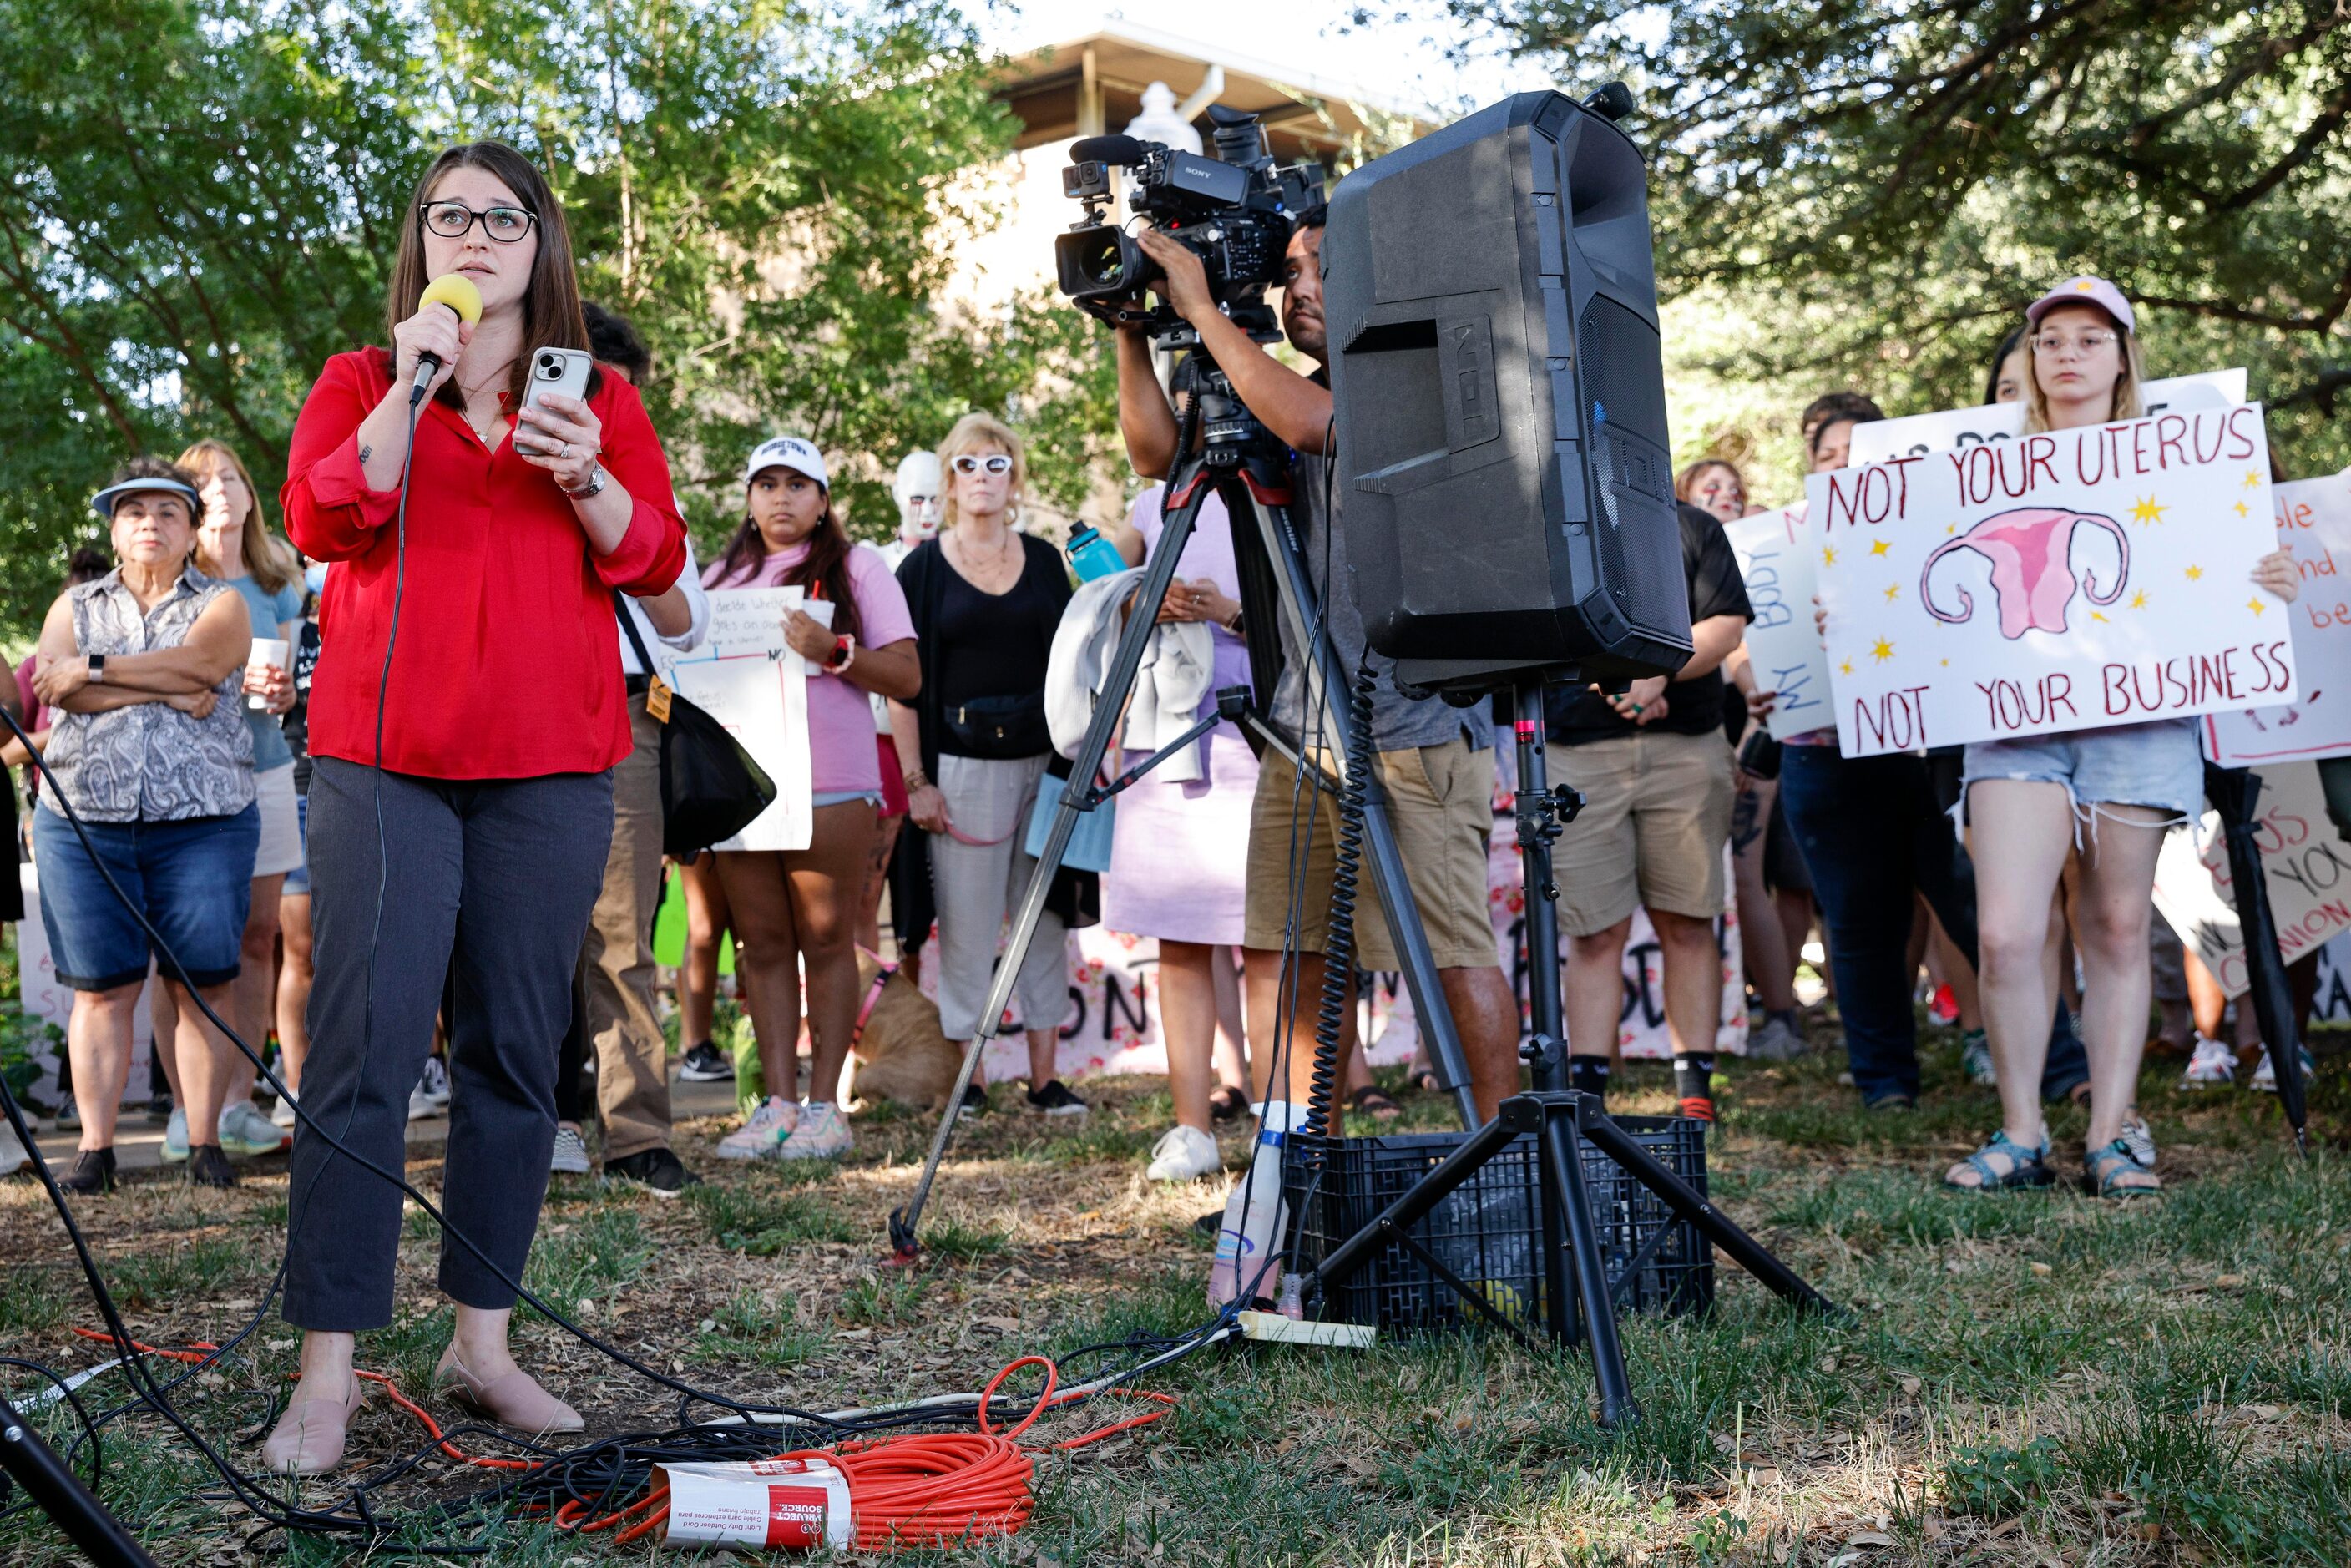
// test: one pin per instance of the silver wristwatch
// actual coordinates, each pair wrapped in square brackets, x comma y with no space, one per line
[593,487]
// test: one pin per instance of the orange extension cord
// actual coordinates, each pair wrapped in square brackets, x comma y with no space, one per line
[927,1490]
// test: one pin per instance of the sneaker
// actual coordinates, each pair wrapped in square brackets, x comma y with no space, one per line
[2264,1080]
[175,1138]
[1185,1154]
[705,1064]
[244,1130]
[571,1153]
[2138,1138]
[1975,1060]
[975,1100]
[1777,1039]
[435,1082]
[1944,1008]
[2213,1065]
[283,1116]
[93,1170]
[207,1166]
[13,1157]
[822,1135]
[1892,1100]
[764,1133]
[419,1103]
[657,1171]
[1055,1100]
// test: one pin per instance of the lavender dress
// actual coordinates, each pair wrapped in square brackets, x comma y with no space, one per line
[1178,851]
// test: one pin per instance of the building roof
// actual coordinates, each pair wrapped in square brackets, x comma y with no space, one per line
[1095,83]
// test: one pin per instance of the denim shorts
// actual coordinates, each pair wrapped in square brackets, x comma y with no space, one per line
[297,881]
[2159,764]
[192,880]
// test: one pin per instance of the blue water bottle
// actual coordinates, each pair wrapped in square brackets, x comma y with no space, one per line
[1093,555]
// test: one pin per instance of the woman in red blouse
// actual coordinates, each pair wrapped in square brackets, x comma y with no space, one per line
[465,713]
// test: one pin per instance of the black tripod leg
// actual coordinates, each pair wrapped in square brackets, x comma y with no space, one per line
[1185,491]
[57,1491]
[1564,1190]
[1712,1223]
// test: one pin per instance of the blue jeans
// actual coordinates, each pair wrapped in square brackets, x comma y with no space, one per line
[192,879]
[1870,836]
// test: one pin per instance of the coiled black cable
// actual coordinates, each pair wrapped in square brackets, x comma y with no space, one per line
[1339,944]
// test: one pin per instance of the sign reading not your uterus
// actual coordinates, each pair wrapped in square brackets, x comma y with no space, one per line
[2065,579]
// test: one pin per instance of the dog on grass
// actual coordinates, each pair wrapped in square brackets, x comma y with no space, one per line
[900,1054]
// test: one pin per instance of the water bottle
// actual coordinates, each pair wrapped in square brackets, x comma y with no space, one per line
[1093,555]
[1253,1216]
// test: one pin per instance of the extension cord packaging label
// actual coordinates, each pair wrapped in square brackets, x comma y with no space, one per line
[748,1505]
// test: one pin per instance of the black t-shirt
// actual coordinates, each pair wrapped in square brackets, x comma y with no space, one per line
[1692,707]
[997,645]
[297,722]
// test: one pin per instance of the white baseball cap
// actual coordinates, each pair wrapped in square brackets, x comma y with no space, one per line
[2094,291]
[786,452]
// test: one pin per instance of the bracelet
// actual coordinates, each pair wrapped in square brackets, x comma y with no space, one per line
[1234,625]
[916,778]
[593,486]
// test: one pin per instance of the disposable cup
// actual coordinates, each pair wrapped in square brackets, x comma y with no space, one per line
[269,651]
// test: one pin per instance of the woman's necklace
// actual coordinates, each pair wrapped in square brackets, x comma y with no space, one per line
[482,427]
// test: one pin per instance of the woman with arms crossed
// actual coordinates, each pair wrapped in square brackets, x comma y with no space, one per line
[497,724]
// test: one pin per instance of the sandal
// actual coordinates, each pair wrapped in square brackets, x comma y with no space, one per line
[1423,1081]
[2025,1167]
[1226,1102]
[1374,1101]
[2114,1171]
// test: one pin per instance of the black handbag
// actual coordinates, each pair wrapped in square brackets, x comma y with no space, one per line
[711,788]
[999,729]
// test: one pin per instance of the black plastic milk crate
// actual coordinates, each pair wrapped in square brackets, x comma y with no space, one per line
[1486,1230]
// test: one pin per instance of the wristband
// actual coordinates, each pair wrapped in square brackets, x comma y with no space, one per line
[97,662]
[844,653]
[915,778]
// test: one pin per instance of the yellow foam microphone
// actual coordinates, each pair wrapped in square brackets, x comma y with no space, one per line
[455,292]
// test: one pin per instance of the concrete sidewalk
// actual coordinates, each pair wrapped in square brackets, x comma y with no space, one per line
[138,1141]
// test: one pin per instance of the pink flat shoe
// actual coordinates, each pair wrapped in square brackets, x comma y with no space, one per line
[515,1400]
[309,1438]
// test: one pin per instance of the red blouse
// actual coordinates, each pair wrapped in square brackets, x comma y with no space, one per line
[507,664]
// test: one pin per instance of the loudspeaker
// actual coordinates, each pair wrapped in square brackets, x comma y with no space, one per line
[1491,304]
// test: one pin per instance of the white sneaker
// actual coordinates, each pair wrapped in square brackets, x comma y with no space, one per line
[283,1116]
[764,1133]
[13,1157]
[1774,1040]
[822,1133]
[435,1082]
[570,1156]
[244,1130]
[2139,1139]
[2264,1079]
[1975,1059]
[1184,1153]
[176,1137]
[2214,1065]
[419,1103]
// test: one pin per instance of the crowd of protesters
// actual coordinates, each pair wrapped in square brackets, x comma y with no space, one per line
[239,743]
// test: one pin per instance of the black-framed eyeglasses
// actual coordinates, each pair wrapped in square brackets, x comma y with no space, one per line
[453,220]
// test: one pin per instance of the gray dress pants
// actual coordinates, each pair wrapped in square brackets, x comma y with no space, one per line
[978,885]
[499,875]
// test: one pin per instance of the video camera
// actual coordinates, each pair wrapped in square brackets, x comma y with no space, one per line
[1233,212]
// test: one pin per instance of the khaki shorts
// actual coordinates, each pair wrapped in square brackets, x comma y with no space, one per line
[1441,802]
[1657,815]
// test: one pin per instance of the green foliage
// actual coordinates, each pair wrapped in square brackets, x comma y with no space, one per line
[1876,188]
[202,199]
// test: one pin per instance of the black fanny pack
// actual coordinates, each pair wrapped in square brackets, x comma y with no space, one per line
[998,728]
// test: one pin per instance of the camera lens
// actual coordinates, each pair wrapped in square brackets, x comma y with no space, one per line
[551,368]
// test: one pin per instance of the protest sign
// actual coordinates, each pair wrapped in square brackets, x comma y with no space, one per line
[2306,864]
[1953,428]
[2314,525]
[2067,579]
[1780,566]
[747,679]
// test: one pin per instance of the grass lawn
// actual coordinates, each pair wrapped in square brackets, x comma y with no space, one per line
[2032,1378]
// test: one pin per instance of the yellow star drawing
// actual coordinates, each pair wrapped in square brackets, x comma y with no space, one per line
[1882,651]
[1828,556]
[1846,668]
[2253,477]
[2097,615]
[2255,605]
[1879,547]
[2244,510]
[2194,572]
[2147,511]
[1947,663]
[2138,600]
[1893,592]
[1950,528]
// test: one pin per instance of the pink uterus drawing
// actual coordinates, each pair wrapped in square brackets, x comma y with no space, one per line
[2030,550]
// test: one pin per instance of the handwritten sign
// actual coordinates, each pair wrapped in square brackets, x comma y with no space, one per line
[2066,580]
[1781,568]
[2314,525]
[747,679]
[1954,428]
[2305,863]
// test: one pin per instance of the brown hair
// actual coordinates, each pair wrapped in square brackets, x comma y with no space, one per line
[2126,404]
[1686,481]
[971,433]
[268,560]
[824,569]
[551,303]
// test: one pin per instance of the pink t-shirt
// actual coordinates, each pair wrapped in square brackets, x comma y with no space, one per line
[842,754]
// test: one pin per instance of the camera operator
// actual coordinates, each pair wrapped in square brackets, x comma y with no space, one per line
[1435,763]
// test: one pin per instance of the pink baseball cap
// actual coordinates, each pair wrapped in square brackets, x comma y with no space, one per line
[2094,291]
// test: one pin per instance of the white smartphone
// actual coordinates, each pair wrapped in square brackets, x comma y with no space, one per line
[562,370]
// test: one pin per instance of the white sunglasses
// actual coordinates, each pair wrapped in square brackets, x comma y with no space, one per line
[967,463]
